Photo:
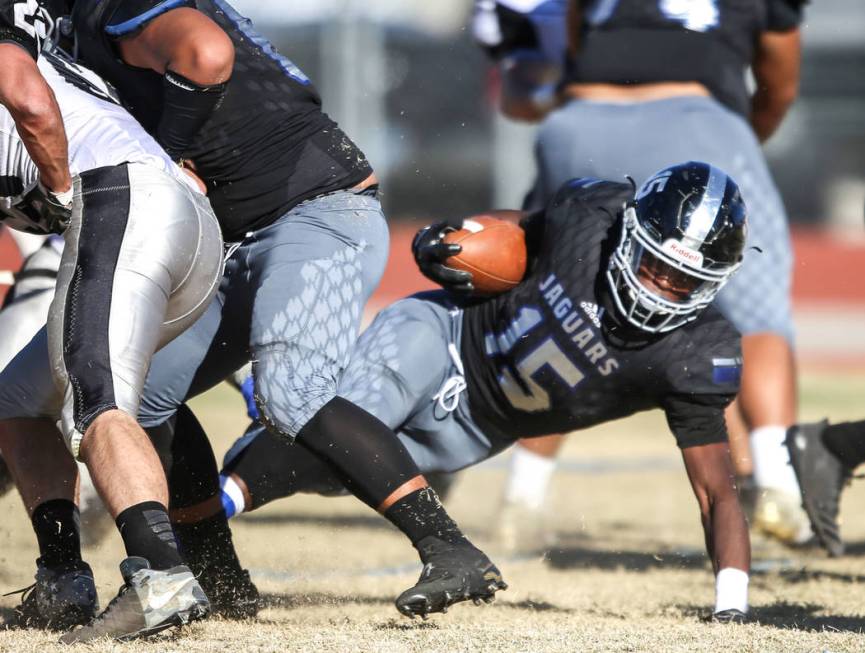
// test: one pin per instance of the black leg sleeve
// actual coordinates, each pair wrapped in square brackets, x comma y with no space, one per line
[272,468]
[187,458]
[193,478]
[366,454]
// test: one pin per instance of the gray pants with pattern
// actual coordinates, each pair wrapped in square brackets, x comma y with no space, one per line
[406,371]
[291,300]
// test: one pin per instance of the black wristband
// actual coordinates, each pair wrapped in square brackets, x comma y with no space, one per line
[186,107]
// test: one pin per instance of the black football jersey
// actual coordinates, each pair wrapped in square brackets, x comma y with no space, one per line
[267,148]
[26,23]
[709,41]
[550,356]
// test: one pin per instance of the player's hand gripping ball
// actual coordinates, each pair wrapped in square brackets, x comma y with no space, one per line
[493,251]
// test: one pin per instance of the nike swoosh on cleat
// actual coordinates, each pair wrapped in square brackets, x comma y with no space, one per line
[158,601]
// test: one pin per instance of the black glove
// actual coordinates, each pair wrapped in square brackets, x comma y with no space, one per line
[430,253]
[39,212]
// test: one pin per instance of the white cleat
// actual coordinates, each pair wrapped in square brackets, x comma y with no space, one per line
[523,529]
[779,515]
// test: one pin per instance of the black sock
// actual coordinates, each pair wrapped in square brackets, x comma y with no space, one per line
[847,441]
[361,449]
[58,530]
[421,514]
[187,458]
[208,543]
[146,532]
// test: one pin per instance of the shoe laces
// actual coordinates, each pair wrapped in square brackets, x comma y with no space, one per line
[106,613]
[25,592]
[448,396]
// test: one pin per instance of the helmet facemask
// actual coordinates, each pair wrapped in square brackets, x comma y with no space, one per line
[659,286]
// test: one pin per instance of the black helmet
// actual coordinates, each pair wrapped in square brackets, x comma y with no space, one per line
[46,18]
[686,228]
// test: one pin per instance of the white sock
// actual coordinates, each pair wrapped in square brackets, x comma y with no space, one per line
[529,478]
[731,590]
[772,468]
[232,497]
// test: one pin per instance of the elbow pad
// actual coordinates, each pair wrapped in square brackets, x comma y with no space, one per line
[186,106]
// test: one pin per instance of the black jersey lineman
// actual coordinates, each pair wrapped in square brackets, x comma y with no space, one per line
[266,149]
[709,41]
[549,356]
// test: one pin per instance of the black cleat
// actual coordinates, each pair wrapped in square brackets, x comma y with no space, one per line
[731,616]
[62,597]
[821,476]
[451,573]
[232,593]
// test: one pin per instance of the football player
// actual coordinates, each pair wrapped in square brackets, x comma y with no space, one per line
[24,310]
[130,279]
[613,317]
[648,83]
[298,200]
[29,101]
[528,40]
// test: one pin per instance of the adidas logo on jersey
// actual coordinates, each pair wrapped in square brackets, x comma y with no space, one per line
[592,312]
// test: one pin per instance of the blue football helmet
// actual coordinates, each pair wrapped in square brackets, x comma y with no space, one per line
[682,238]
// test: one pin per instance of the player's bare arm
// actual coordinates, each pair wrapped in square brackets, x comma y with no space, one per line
[183,40]
[575,25]
[26,95]
[711,474]
[196,57]
[710,471]
[776,72]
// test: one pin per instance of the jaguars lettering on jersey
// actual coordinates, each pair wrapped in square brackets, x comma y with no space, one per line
[550,356]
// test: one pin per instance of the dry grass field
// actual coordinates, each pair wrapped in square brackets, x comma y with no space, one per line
[629,573]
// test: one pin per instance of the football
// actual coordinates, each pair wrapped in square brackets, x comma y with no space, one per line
[494,251]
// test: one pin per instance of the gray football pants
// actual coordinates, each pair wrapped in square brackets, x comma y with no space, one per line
[610,141]
[142,259]
[291,300]
[406,371]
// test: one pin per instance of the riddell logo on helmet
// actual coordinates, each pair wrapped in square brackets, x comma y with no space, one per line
[681,253]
